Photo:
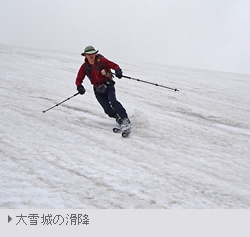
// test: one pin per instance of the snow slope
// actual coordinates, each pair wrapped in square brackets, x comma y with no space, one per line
[188,149]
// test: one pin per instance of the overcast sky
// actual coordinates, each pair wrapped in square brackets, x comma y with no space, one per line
[209,34]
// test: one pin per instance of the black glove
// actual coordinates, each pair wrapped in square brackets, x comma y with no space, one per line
[81,89]
[118,73]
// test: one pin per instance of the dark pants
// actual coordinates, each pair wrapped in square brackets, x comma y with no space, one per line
[109,103]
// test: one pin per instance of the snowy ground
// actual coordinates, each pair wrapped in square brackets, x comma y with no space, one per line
[188,149]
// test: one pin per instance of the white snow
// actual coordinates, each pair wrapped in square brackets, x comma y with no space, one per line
[188,149]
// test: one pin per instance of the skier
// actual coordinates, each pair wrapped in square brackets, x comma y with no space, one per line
[97,69]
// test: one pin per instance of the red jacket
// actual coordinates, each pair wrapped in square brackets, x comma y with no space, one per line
[95,76]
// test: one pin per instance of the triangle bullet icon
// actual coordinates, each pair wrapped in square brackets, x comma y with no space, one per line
[9,219]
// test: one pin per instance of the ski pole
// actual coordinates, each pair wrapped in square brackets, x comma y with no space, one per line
[155,84]
[60,102]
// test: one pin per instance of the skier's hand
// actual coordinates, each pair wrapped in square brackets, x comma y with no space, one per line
[118,73]
[103,72]
[81,89]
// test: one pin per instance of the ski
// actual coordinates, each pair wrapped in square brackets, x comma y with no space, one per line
[117,130]
[124,130]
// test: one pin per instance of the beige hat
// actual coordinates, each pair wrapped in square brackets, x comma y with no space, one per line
[89,50]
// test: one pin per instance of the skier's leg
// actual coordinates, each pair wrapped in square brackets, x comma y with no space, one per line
[104,102]
[119,109]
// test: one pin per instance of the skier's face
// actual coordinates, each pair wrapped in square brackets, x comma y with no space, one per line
[91,58]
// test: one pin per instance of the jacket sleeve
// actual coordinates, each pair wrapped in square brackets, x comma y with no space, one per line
[108,64]
[81,75]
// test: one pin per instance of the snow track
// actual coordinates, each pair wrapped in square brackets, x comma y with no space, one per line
[188,149]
